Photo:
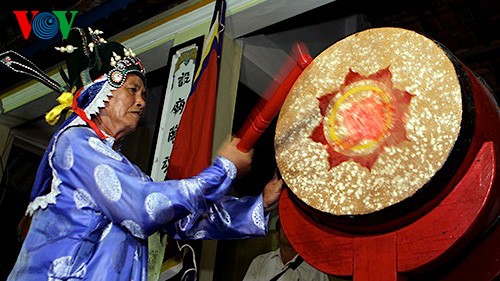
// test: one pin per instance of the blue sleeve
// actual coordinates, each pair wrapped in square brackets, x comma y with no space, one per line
[228,218]
[123,193]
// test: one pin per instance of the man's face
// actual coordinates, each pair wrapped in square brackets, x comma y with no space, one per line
[125,108]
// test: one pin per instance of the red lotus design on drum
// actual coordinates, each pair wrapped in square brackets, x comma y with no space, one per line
[365,115]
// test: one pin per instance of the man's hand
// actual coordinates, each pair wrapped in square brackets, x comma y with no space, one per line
[242,160]
[271,193]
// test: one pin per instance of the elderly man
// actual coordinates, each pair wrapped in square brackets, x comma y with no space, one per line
[93,209]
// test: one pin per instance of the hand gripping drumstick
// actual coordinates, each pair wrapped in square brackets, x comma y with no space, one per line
[273,105]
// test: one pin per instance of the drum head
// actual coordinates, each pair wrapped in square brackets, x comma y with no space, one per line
[369,122]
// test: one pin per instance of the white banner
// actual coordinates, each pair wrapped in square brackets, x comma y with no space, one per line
[180,79]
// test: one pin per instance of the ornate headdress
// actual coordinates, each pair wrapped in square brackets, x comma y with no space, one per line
[95,68]
[90,59]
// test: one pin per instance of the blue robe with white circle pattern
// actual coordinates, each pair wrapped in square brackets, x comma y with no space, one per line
[107,207]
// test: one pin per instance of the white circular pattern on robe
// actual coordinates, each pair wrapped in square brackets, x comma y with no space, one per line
[183,190]
[97,145]
[200,234]
[65,158]
[183,223]
[258,217]
[134,228]
[83,199]
[61,269]
[157,206]
[106,231]
[68,159]
[186,190]
[191,184]
[108,182]
[223,214]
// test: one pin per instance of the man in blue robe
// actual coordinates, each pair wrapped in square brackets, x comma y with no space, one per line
[93,209]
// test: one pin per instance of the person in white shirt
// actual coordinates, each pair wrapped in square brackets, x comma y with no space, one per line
[282,264]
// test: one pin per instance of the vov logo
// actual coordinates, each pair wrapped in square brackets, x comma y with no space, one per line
[45,25]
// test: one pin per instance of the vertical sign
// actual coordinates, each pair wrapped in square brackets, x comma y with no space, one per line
[183,62]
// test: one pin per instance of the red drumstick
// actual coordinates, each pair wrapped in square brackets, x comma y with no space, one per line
[273,105]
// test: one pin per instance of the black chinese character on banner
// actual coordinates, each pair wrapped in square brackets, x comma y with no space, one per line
[171,133]
[183,79]
[164,167]
[178,106]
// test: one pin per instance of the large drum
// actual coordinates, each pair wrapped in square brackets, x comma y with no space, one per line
[378,130]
